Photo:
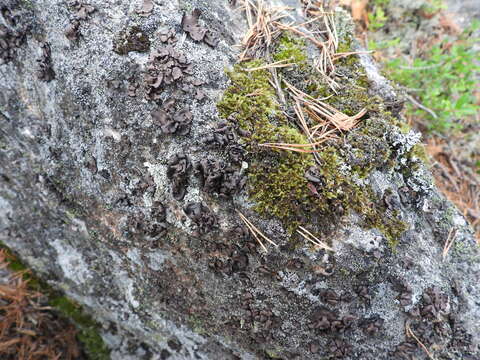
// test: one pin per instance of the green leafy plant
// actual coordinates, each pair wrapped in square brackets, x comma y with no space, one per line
[377,16]
[431,7]
[380,45]
[377,19]
[442,82]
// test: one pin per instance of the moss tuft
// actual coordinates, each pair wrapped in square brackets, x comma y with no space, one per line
[94,346]
[291,49]
[276,178]
[277,181]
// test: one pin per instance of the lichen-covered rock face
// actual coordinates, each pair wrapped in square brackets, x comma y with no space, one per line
[129,158]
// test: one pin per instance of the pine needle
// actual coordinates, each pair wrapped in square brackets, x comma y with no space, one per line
[277,64]
[255,231]
[313,239]
[449,242]
[410,333]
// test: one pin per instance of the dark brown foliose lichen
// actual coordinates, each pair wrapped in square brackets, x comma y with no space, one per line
[45,71]
[13,30]
[9,41]
[178,169]
[224,137]
[202,216]
[166,66]
[198,33]
[217,177]
[146,9]
[82,12]
[171,121]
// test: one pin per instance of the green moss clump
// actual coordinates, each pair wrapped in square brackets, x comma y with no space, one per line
[277,181]
[418,151]
[251,97]
[276,178]
[345,45]
[291,49]
[341,190]
[94,346]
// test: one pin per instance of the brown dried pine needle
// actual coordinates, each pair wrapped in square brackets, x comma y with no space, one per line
[322,110]
[261,26]
[449,242]
[28,330]
[410,333]
[255,232]
[277,64]
[307,235]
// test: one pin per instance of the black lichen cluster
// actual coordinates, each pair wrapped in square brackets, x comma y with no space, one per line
[13,32]
[216,177]
[202,216]
[178,170]
[339,348]
[325,320]
[405,351]
[45,66]
[151,227]
[228,259]
[435,303]
[434,321]
[224,136]
[197,32]
[172,121]
[404,289]
[372,325]
[166,66]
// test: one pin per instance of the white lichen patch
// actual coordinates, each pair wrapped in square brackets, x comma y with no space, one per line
[366,240]
[72,263]
[156,259]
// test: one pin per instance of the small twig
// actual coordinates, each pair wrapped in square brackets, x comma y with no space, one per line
[423,107]
[410,333]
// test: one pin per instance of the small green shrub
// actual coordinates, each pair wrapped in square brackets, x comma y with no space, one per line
[443,81]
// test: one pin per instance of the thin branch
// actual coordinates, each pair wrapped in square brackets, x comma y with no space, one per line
[410,333]
[423,107]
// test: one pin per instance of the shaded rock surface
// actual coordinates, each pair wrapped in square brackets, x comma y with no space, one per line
[102,201]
